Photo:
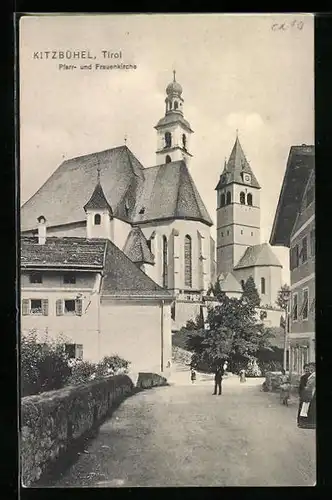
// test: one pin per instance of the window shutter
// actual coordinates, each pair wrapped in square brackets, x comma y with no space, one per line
[45,307]
[25,307]
[79,351]
[59,307]
[78,307]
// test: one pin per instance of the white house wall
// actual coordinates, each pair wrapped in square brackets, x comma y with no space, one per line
[133,331]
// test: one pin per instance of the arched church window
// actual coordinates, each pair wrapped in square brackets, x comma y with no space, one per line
[168,159]
[176,105]
[242,198]
[165,267]
[222,200]
[249,199]
[97,220]
[228,198]
[184,141]
[187,261]
[170,105]
[168,140]
[262,286]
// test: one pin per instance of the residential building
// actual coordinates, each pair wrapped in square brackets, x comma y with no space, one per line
[294,228]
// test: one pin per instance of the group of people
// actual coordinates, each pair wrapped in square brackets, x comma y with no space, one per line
[306,415]
[218,376]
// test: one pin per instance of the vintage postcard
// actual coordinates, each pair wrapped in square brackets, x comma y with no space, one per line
[167,174]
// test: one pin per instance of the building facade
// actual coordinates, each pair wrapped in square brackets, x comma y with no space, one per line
[239,248]
[89,293]
[294,228]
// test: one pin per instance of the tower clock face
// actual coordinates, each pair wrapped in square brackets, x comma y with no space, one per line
[247,178]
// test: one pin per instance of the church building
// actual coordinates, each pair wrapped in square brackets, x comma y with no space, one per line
[154,215]
[240,253]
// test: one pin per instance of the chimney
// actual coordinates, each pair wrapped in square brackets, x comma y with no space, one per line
[41,230]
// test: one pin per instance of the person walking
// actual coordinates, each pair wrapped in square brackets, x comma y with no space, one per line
[306,418]
[193,376]
[284,387]
[243,375]
[218,380]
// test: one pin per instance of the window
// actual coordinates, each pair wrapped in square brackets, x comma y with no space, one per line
[36,278]
[294,307]
[142,210]
[69,307]
[305,303]
[312,242]
[249,199]
[228,198]
[97,220]
[37,307]
[262,286]
[184,141]
[74,351]
[310,196]
[222,234]
[187,261]
[69,278]
[168,140]
[168,159]
[241,231]
[165,258]
[294,257]
[222,200]
[227,232]
[242,198]
[304,251]
[176,105]
[252,234]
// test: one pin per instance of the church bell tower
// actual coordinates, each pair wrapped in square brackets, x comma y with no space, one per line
[173,130]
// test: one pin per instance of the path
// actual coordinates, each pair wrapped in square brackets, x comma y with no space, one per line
[181,435]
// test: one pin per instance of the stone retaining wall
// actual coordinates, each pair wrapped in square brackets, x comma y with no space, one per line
[52,421]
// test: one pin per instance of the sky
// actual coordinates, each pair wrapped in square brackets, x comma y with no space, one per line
[254,73]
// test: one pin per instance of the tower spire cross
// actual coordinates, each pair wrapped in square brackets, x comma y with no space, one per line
[174,73]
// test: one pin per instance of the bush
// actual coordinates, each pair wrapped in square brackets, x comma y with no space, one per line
[81,372]
[44,366]
[253,370]
[112,365]
[270,366]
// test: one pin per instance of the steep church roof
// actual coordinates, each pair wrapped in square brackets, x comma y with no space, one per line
[136,247]
[258,255]
[137,194]
[169,192]
[236,166]
[62,197]
[228,283]
[98,200]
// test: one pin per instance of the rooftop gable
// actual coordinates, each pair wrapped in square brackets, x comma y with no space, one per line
[300,163]
[136,247]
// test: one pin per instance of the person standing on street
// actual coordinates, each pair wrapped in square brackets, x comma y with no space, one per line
[193,375]
[306,418]
[218,380]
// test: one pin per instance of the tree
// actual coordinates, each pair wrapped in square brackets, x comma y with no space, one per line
[283,295]
[250,292]
[233,333]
